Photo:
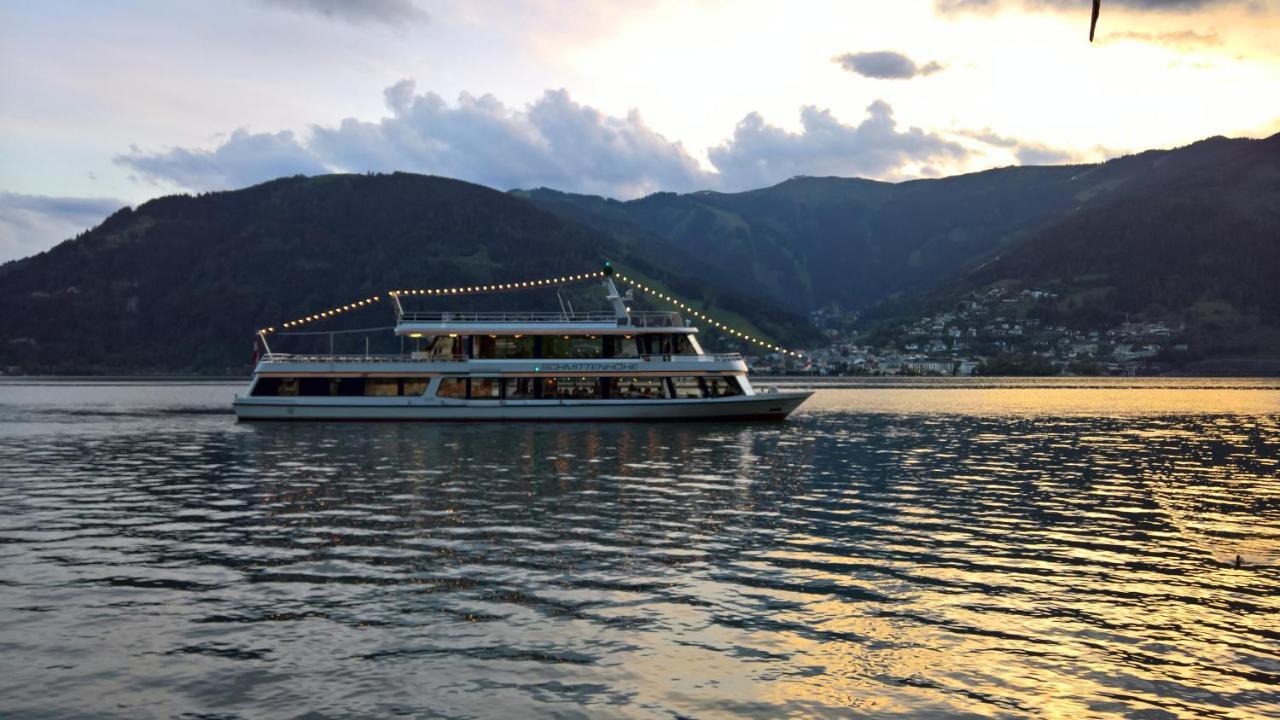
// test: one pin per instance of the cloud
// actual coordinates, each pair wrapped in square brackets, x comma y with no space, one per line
[560,143]
[554,142]
[1173,5]
[244,159]
[397,13]
[760,154]
[885,65]
[1181,39]
[1026,152]
[32,223]
[952,7]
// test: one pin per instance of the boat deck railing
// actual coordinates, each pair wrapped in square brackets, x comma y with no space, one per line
[276,357]
[635,319]
[423,358]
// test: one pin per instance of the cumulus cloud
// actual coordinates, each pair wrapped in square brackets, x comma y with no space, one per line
[32,223]
[554,141]
[397,13]
[885,65]
[760,154]
[244,159]
[560,143]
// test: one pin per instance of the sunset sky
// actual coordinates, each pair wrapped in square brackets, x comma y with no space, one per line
[107,104]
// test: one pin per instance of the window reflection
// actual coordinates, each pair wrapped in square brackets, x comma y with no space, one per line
[637,388]
[452,388]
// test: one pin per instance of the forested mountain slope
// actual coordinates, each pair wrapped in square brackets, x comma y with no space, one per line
[180,283]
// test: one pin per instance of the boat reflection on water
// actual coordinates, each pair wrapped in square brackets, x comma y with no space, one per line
[882,563]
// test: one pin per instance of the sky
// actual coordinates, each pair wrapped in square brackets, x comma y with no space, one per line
[104,105]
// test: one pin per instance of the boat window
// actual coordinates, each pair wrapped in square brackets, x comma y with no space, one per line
[452,388]
[591,346]
[665,344]
[382,386]
[523,388]
[339,387]
[572,346]
[637,388]
[271,386]
[571,388]
[444,347]
[486,388]
[312,387]
[625,347]
[346,387]
[722,386]
[661,344]
[518,347]
[686,387]
[503,346]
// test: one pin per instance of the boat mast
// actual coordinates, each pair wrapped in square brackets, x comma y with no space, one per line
[611,292]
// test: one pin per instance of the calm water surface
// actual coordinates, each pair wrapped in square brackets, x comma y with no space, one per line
[1007,549]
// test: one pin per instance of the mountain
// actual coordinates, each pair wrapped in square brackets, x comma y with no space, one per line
[180,283]
[1190,238]
[809,242]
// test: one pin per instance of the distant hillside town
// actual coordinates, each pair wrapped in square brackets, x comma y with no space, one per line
[994,332]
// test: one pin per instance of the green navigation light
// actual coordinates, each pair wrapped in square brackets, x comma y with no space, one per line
[608,268]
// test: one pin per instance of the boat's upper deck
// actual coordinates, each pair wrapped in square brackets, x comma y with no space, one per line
[540,323]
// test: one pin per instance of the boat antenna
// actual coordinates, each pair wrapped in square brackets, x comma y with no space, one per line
[263,337]
[564,314]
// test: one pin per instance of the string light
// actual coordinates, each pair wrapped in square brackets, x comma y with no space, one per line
[323,314]
[521,285]
[701,316]
[465,290]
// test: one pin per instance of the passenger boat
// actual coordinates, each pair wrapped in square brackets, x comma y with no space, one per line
[617,365]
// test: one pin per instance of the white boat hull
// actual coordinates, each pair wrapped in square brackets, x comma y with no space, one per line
[763,406]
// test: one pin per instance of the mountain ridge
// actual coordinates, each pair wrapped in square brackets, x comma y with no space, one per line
[237,260]
[181,282]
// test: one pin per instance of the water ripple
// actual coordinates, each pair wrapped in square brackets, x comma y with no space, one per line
[156,562]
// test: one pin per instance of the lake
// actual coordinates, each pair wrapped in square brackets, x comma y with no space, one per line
[924,548]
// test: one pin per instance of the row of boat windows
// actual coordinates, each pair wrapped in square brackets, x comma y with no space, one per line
[339,387]
[509,388]
[588,388]
[501,347]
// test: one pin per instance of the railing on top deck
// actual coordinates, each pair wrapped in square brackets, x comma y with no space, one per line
[710,357]
[635,319]
[320,358]
[313,358]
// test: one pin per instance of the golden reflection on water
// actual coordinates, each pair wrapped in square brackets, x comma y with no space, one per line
[1055,402]
[947,552]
